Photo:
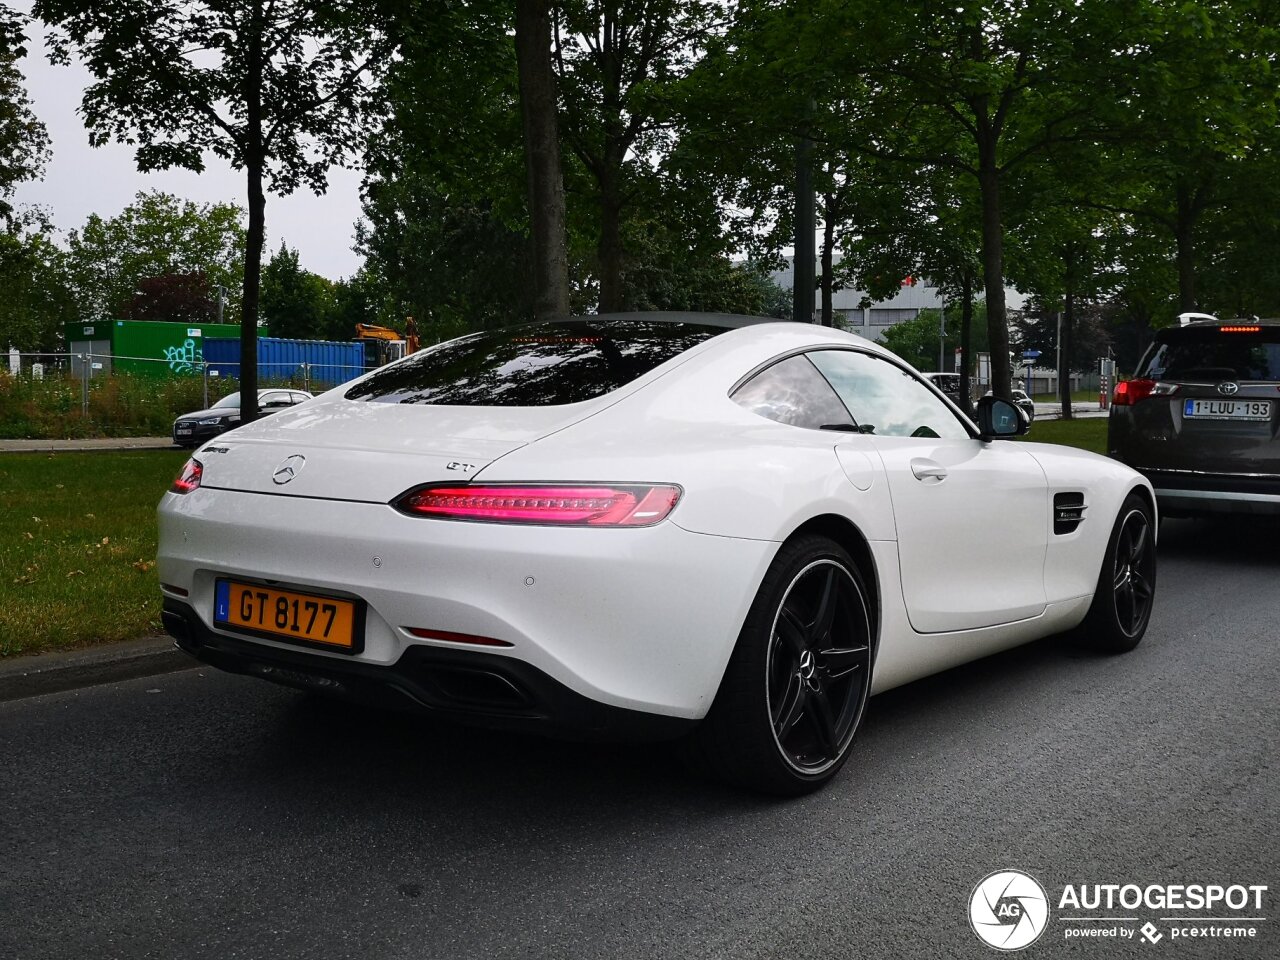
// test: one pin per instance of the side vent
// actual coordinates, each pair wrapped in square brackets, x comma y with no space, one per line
[1068,512]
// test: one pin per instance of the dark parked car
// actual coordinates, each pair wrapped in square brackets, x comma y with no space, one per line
[1201,418]
[193,429]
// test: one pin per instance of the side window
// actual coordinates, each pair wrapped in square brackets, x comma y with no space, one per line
[298,397]
[275,400]
[793,392]
[885,399]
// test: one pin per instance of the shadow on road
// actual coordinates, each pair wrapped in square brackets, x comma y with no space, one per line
[1231,540]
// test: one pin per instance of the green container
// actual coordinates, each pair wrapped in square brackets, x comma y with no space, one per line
[145,346]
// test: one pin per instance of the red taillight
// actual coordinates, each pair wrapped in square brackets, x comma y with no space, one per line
[189,478]
[577,506]
[1239,329]
[1129,392]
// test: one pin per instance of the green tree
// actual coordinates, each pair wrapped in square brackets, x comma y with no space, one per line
[297,303]
[155,236]
[37,297]
[619,62]
[275,87]
[24,143]
[1198,127]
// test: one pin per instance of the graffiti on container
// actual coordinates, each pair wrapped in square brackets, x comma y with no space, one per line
[183,357]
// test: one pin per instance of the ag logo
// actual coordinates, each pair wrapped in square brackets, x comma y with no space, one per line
[1008,910]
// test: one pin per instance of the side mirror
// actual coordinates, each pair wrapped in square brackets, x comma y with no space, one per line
[999,418]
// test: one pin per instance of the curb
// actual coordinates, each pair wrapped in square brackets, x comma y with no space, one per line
[88,445]
[41,673]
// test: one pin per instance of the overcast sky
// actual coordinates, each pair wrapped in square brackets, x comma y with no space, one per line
[81,180]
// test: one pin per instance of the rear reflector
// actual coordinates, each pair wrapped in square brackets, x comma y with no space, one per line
[428,634]
[189,478]
[583,505]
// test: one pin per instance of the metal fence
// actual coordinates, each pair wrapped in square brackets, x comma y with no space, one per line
[122,400]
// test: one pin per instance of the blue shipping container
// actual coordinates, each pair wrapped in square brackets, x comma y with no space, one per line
[329,362]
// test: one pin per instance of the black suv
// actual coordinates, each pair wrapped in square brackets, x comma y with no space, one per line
[1202,418]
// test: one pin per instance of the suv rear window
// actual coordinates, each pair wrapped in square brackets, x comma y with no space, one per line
[1208,353]
[534,365]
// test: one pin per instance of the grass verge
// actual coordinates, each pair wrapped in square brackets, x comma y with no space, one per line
[77,553]
[1090,434]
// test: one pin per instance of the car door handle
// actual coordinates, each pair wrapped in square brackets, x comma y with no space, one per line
[927,471]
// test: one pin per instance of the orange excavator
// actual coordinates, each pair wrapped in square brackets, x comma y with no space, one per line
[387,344]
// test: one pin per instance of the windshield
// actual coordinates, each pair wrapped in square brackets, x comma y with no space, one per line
[1209,353]
[534,365]
[230,400]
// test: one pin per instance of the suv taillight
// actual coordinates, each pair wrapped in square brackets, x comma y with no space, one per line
[1129,392]
[189,478]
[580,505]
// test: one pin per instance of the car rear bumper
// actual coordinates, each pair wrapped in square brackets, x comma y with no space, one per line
[1192,492]
[642,619]
[459,685]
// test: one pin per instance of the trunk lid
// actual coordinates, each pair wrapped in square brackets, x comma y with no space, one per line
[372,452]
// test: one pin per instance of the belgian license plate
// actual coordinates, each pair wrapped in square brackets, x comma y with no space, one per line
[182,430]
[1227,409]
[288,615]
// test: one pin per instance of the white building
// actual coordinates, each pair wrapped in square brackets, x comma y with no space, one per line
[875,317]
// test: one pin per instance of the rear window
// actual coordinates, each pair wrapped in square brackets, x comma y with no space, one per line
[1208,353]
[534,365]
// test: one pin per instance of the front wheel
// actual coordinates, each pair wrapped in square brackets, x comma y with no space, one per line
[1126,590]
[796,686]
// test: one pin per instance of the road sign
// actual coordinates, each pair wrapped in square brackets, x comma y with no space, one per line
[1030,354]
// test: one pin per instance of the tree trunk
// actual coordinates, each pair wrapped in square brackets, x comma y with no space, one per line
[254,167]
[802,264]
[609,243]
[1065,347]
[1186,256]
[993,266]
[828,258]
[966,341]
[542,159]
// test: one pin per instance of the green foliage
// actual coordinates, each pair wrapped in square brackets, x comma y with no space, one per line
[175,80]
[915,341]
[157,235]
[24,142]
[120,405]
[297,303]
[37,299]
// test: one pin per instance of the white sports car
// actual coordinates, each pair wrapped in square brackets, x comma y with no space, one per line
[675,525]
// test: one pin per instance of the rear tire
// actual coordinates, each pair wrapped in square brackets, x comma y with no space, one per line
[1125,595]
[795,689]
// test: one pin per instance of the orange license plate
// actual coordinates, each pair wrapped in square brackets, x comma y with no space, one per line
[306,618]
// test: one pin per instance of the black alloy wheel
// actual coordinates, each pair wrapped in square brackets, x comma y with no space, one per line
[1133,583]
[1125,594]
[796,686]
[818,667]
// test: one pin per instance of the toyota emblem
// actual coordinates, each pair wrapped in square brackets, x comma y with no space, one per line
[1229,389]
[289,468]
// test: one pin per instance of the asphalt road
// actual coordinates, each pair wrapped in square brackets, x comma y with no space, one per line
[200,815]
